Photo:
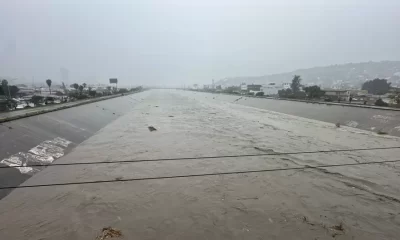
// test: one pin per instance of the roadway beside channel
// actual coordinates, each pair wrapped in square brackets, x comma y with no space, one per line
[13,115]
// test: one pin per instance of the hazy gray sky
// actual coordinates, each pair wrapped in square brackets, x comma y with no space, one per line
[187,41]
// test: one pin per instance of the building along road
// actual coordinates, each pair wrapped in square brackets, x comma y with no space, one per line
[173,192]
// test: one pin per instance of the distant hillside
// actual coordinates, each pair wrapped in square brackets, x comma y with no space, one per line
[344,75]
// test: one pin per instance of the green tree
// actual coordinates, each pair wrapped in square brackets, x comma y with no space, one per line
[84,85]
[381,103]
[76,86]
[122,90]
[296,84]
[314,91]
[48,81]
[80,89]
[376,86]
[13,90]
[92,93]
[9,91]
[285,93]
[4,86]
[36,99]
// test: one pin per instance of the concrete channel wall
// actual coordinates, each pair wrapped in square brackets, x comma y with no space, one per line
[372,119]
[340,104]
[43,138]
[23,113]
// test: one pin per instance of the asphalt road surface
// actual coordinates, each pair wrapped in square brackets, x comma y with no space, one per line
[350,202]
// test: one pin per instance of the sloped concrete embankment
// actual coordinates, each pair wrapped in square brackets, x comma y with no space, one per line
[375,120]
[43,138]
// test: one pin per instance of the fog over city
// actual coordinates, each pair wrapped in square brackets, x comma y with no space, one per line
[176,42]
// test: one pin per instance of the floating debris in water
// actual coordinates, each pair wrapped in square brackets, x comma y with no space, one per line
[238,99]
[151,128]
[352,123]
[109,232]
[338,227]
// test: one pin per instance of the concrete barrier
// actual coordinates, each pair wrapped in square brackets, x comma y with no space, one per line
[22,114]
[340,104]
[318,102]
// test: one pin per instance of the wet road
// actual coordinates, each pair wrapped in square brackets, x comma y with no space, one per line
[351,202]
[35,139]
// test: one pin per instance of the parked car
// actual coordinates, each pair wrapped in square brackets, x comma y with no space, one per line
[7,104]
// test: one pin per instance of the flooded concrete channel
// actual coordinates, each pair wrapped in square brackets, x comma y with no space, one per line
[158,184]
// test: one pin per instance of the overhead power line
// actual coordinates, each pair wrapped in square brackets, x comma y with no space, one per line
[205,157]
[197,175]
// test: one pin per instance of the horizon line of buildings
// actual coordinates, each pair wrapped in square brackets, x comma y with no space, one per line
[271,89]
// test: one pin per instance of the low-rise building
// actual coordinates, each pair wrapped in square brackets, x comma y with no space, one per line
[243,88]
[358,92]
[286,86]
[271,89]
[251,88]
[25,91]
[337,94]
[254,88]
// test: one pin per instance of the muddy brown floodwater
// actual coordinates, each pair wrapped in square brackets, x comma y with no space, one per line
[351,202]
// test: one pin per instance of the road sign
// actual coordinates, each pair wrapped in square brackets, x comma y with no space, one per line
[113,80]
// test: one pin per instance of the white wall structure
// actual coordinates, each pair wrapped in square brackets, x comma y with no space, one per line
[286,85]
[273,88]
